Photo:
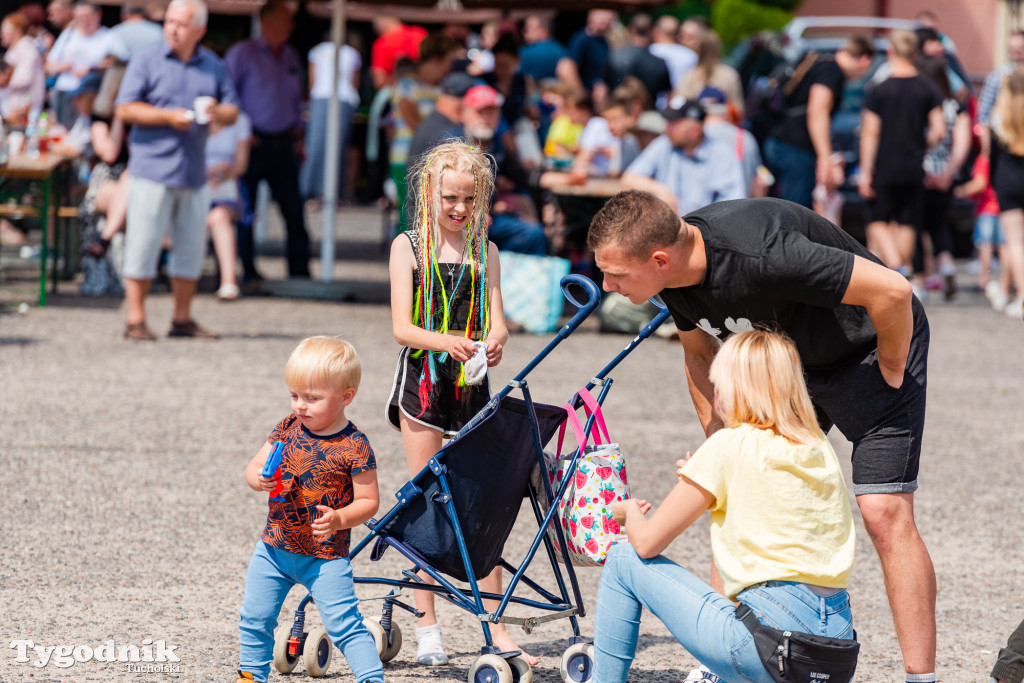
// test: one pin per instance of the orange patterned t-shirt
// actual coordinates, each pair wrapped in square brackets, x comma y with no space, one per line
[315,470]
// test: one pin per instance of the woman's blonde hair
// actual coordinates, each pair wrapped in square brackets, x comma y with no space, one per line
[759,381]
[1010,111]
[323,362]
[709,54]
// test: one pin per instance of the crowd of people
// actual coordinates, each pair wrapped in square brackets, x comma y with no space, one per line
[649,104]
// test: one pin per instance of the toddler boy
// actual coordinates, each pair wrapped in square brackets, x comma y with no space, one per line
[329,485]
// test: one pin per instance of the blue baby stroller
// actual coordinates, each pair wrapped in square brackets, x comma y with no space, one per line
[453,518]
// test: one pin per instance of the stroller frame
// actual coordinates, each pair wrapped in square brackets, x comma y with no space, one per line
[557,605]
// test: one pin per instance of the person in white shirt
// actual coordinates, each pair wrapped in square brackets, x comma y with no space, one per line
[22,82]
[321,72]
[227,159]
[84,46]
[679,58]
[135,32]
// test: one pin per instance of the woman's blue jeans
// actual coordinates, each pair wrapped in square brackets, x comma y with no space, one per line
[795,171]
[272,573]
[701,619]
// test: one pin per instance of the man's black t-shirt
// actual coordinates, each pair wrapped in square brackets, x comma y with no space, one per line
[637,61]
[793,128]
[903,105]
[775,263]
[433,130]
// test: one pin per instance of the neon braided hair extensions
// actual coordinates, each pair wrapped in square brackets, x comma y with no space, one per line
[433,304]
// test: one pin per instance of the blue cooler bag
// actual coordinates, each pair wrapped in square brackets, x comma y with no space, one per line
[530,290]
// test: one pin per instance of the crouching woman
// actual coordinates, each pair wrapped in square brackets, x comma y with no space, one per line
[782,533]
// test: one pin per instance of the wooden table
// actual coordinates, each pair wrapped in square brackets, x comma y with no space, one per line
[44,168]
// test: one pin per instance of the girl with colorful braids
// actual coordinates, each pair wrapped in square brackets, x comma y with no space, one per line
[445,300]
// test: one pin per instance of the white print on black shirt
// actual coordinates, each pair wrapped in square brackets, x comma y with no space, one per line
[734,326]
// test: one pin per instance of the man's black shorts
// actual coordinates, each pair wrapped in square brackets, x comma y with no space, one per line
[884,424]
[903,204]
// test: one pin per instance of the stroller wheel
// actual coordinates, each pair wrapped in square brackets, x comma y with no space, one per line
[381,638]
[521,671]
[577,663]
[284,662]
[317,652]
[490,669]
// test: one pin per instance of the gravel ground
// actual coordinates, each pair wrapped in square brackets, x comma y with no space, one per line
[125,516]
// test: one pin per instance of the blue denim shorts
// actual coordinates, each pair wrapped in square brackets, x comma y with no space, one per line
[987,230]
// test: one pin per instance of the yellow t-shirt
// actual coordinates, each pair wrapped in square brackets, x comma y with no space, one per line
[562,131]
[781,511]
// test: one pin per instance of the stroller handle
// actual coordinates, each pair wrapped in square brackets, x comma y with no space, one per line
[585,308]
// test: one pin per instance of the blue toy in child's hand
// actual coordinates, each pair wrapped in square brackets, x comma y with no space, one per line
[272,469]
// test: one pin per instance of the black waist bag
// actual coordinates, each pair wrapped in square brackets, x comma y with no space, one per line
[794,657]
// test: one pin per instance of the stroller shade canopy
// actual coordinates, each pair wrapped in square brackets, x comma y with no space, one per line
[488,473]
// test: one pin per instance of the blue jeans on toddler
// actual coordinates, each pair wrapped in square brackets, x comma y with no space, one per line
[272,573]
[701,619]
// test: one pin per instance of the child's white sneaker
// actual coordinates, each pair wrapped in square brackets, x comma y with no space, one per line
[1014,308]
[996,296]
[429,650]
[702,673]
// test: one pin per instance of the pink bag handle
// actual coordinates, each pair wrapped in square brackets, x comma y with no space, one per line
[590,406]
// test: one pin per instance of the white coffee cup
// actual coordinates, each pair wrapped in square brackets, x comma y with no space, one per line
[15,142]
[200,106]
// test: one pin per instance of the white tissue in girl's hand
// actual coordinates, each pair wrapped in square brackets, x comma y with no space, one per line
[476,367]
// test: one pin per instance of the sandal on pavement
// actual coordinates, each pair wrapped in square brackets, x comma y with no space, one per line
[190,328]
[228,292]
[138,332]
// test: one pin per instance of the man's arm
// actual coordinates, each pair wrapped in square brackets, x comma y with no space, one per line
[636,181]
[225,114]
[567,73]
[870,129]
[886,296]
[700,348]
[143,114]
[819,127]
[936,127]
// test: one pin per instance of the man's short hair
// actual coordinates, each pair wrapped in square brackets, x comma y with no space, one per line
[506,45]
[323,362]
[859,46]
[200,12]
[542,21]
[637,221]
[667,24]
[273,8]
[904,43]
[437,46]
[640,25]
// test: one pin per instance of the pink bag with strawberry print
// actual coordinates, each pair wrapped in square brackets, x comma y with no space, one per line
[599,480]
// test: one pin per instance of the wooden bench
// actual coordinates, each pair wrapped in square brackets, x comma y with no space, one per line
[22,211]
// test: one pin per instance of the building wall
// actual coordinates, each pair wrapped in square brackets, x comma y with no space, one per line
[974,25]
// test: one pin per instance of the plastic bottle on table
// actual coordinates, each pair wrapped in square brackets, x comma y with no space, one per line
[43,133]
[31,138]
